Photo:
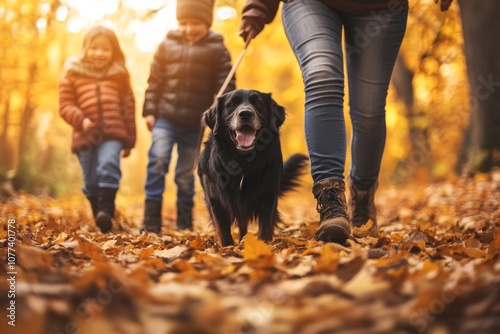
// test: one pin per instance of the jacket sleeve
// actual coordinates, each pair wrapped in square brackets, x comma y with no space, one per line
[155,82]
[260,12]
[68,106]
[128,103]
[223,69]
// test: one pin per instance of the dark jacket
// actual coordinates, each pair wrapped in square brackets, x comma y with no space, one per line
[264,11]
[185,78]
[108,102]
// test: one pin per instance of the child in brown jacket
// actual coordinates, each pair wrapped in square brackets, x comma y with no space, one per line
[96,99]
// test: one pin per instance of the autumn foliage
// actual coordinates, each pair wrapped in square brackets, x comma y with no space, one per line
[432,267]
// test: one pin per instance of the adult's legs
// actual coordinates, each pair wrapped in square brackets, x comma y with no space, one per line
[372,46]
[314,31]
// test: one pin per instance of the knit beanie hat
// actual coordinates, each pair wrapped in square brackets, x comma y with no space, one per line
[197,9]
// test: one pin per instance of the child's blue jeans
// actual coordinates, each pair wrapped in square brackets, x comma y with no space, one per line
[101,167]
[165,136]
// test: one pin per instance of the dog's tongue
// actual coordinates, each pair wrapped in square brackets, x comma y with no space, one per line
[245,137]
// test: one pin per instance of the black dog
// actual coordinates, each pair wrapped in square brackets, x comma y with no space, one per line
[241,168]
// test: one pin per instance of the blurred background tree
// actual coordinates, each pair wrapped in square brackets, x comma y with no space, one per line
[481,31]
[428,104]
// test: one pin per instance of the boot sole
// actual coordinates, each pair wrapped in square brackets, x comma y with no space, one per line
[103,221]
[333,233]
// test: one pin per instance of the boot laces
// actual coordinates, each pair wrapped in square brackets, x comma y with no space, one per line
[330,203]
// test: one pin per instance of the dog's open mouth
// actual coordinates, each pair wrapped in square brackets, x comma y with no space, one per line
[245,137]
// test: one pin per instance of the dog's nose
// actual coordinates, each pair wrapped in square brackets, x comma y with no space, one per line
[245,114]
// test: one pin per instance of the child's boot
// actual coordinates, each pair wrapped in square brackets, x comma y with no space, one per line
[152,217]
[184,217]
[93,200]
[106,209]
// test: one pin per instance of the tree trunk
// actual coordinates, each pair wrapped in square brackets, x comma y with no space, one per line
[29,108]
[481,31]
[5,152]
[418,157]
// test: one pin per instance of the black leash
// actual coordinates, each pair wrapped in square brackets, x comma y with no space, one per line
[223,88]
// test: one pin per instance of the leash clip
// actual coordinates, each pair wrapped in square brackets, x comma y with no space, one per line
[241,181]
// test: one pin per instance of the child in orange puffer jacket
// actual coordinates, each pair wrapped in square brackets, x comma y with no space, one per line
[96,99]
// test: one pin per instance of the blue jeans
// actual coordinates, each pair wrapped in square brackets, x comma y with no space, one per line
[372,42]
[165,135]
[101,167]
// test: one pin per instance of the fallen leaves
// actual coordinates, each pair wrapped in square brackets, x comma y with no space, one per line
[494,246]
[434,255]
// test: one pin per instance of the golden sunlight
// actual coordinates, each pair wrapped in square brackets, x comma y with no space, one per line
[151,33]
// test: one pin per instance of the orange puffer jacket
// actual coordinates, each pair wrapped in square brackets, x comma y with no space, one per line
[108,102]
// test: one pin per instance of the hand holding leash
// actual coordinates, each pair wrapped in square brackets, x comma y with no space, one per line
[224,85]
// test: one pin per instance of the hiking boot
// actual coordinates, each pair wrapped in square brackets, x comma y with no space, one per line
[334,223]
[184,217]
[362,205]
[152,217]
[106,209]
[93,200]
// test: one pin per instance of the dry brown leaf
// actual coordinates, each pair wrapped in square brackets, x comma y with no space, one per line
[438,259]
[419,235]
[494,247]
[90,250]
[198,242]
[147,253]
[33,258]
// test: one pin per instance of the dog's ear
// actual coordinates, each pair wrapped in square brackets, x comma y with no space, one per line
[212,116]
[277,115]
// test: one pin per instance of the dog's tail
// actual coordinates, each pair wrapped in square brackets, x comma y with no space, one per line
[292,169]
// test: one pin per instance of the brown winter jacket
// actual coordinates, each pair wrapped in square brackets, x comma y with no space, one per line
[260,12]
[108,101]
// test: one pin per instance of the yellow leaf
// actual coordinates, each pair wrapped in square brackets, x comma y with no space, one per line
[254,248]
[172,253]
[108,244]
[61,238]
[257,253]
[368,229]
[328,259]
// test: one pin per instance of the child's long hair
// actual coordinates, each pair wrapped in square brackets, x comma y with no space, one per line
[118,56]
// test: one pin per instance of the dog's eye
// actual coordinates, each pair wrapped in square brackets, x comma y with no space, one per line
[230,104]
[259,103]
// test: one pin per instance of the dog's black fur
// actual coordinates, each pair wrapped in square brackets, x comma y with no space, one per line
[241,168]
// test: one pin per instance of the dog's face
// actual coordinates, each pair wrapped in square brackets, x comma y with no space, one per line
[242,115]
